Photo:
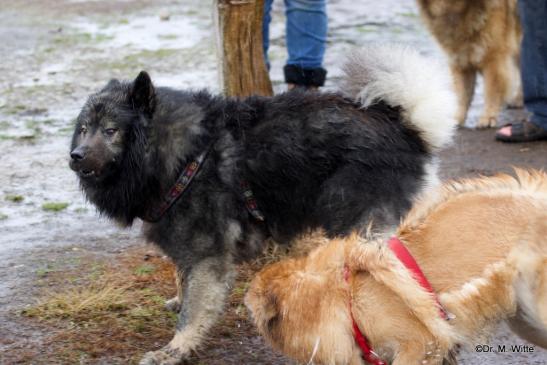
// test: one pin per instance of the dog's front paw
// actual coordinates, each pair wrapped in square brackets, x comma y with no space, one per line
[487,122]
[173,304]
[165,356]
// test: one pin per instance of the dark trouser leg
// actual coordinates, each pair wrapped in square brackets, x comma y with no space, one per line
[306,42]
[533,15]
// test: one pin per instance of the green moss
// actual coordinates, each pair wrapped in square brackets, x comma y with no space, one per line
[102,37]
[65,130]
[14,198]
[144,270]
[54,206]
[71,39]
[367,29]
[44,271]
[168,36]
[408,15]
[240,290]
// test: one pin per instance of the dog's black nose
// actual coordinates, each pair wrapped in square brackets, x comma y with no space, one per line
[77,154]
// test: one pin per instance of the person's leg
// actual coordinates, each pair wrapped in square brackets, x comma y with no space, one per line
[266,29]
[533,15]
[306,42]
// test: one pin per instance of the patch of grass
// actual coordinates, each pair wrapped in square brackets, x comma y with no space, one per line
[97,270]
[168,36]
[13,109]
[144,269]
[15,198]
[241,289]
[81,304]
[112,312]
[102,37]
[3,216]
[54,206]
[44,271]
[5,124]
[147,54]
[367,29]
[69,39]
[48,121]
[68,129]
[408,15]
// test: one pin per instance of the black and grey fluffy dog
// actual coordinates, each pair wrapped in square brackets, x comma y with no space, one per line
[331,160]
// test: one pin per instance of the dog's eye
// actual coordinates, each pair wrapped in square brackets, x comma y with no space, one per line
[83,130]
[110,131]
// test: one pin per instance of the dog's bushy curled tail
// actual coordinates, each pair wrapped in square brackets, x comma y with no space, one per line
[401,77]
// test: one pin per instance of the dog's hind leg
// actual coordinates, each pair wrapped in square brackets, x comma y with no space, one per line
[174,303]
[530,285]
[464,85]
[206,287]
[530,320]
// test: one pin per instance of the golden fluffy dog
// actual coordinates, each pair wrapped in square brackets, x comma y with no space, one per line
[479,36]
[481,243]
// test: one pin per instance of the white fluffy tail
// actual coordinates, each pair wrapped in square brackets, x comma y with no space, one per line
[400,76]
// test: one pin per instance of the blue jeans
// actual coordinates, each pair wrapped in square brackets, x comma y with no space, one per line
[533,62]
[306,37]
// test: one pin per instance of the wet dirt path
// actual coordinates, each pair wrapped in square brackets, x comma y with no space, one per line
[54,53]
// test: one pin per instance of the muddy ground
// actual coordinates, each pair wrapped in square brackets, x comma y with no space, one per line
[54,53]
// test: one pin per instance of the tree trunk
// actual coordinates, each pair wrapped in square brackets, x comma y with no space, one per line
[239,46]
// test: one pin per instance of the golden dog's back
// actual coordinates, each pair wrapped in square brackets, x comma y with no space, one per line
[483,245]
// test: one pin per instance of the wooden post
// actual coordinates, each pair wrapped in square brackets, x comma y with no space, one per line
[239,46]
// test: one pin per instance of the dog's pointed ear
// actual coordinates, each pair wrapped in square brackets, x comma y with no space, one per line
[143,94]
[111,84]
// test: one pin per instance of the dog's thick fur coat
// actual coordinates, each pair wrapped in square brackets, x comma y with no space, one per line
[479,37]
[482,245]
[333,161]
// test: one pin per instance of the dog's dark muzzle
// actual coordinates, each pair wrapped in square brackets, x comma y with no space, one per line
[82,164]
[78,154]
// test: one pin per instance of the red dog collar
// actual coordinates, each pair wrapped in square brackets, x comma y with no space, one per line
[402,253]
[406,258]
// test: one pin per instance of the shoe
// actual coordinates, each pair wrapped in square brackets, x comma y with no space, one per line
[524,131]
[308,78]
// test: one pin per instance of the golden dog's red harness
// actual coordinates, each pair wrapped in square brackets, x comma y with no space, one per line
[402,253]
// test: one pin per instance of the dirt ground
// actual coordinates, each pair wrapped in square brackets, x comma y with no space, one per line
[54,53]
